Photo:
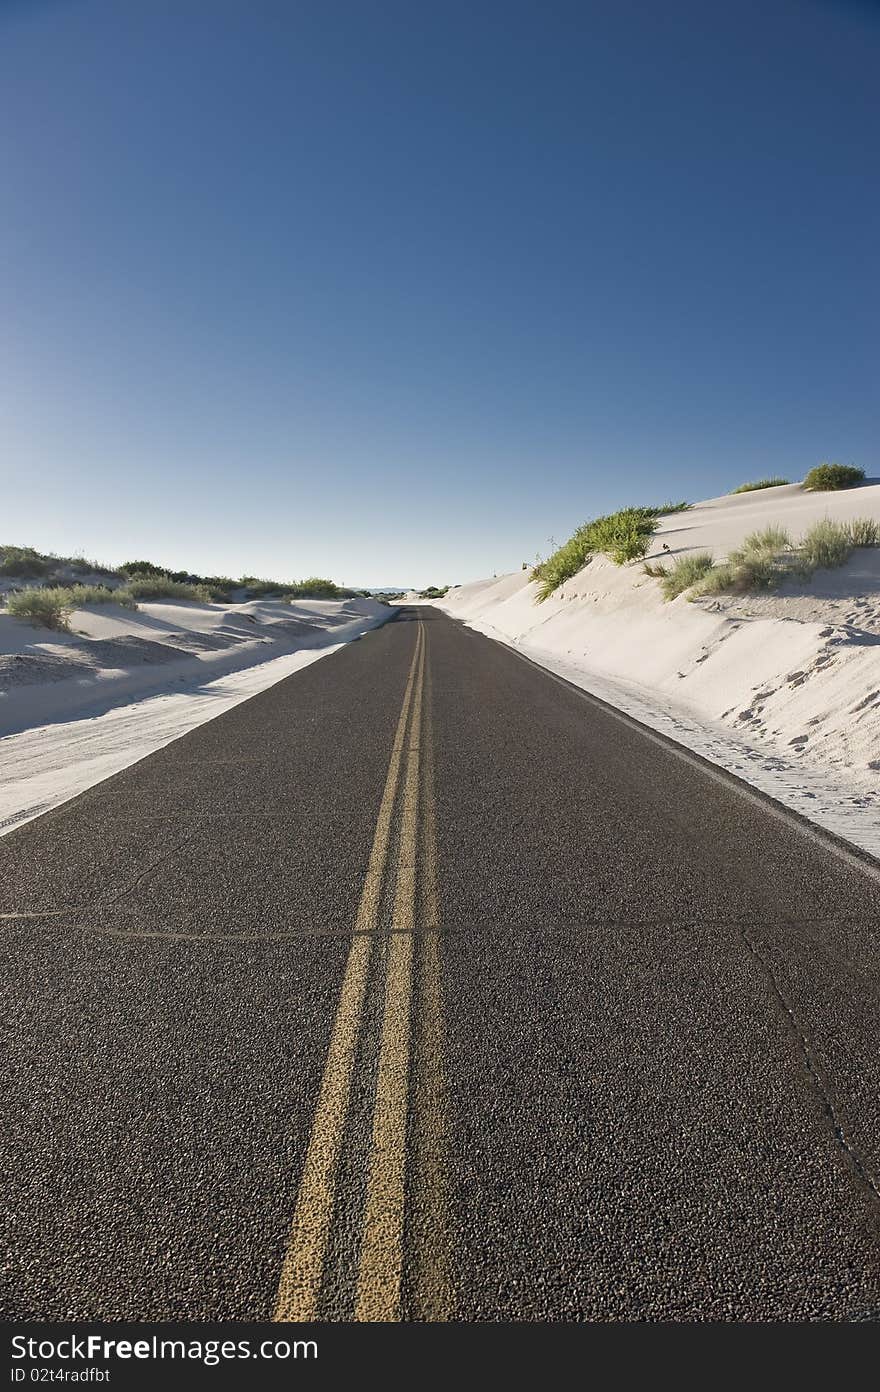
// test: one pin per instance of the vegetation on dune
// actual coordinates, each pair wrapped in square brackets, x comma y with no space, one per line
[220,586]
[684,572]
[665,509]
[757,564]
[83,565]
[826,544]
[759,483]
[101,594]
[622,536]
[255,588]
[315,587]
[50,606]
[141,568]
[767,557]
[145,579]
[212,587]
[433,592]
[828,477]
[44,608]
[23,561]
[864,531]
[160,587]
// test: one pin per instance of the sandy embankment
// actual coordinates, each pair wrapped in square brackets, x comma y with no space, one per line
[77,707]
[781,688]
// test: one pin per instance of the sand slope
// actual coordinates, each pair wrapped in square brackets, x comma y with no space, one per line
[76,707]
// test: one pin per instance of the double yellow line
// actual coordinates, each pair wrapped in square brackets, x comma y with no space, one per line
[381,1250]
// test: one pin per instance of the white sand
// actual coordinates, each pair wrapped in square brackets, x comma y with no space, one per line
[78,707]
[783,688]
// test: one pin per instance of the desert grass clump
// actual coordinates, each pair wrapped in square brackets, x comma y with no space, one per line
[45,608]
[255,588]
[863,531]
[757,564]
[655,570]
[220,586]
[768,541]
[686,572]
[83,565]
[314,587]
[159,587]
[825,545]
[622,536]
[565,562]
[759,483]
[721,579]
[665,509]
[100,594]
[827,477]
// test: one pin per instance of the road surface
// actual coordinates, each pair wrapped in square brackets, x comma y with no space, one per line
[423,987]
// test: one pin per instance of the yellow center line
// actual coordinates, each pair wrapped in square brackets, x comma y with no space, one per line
[381,1261]
[302,1272]
[433,1289]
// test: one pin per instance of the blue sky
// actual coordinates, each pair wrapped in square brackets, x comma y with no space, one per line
[399,292]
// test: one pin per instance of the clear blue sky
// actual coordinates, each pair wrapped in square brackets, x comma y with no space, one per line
[398,291]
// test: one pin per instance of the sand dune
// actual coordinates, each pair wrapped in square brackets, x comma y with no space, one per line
[78,706]
[782,687]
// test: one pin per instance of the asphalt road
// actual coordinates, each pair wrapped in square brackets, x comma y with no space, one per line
[420,986]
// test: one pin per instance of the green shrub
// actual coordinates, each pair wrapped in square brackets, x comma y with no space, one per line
[142,568]
[159,587]
[23,561]
[769,541]
[81,565]
[220,586]
[622,536]
[686,572]
[565,562]
[756,564]
[768,556]
[863,531]
[46,608]
[315,587]
[759,483]
[100,594]
[254,588]
[825,545]
[826,477]
[719,580]
[625,535]
[666,508]
[756,570]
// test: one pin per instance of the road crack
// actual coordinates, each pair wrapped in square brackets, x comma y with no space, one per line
[817,1075]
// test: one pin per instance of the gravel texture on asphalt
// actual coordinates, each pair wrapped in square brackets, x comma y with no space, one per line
[658,1014]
